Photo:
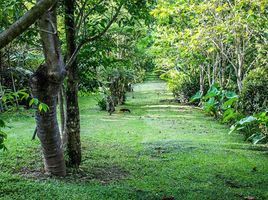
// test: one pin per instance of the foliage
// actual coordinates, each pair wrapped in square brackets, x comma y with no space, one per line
[255,127]
[102,103]
[3,135]
[116,62]
[182,85]
[218,102]
[254,96]
[223,40]
[41,106]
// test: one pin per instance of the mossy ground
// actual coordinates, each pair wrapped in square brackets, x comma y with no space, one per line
[157,150]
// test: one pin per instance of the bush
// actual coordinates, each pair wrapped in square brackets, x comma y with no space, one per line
[3,135]
[182,86]
[255,127]
[102,103]
[254,95]
[218,102]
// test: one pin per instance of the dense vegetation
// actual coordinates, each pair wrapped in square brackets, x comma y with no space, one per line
[55,55]
[216,52]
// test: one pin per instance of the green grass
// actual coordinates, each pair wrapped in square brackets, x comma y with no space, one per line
[158,150]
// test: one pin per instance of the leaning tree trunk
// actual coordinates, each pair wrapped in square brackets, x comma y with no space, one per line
[72,107]
[45,85]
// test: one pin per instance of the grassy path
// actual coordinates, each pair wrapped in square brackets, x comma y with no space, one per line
[157,150]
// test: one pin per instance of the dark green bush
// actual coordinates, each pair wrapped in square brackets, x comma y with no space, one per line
[3,135]
[102,103]
[254,95]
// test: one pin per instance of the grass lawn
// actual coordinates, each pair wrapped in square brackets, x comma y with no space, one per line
[158,150]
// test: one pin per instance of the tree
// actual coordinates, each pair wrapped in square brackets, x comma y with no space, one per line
[46,81]
[25,21]
[220,40]
[45,84]
[72,108]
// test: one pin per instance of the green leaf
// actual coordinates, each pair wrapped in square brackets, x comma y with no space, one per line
[230,95]
[229,114]
[197,96]
[34,101]
[247,120]
[212,92]
[230,102]
[256,138]
[43,107]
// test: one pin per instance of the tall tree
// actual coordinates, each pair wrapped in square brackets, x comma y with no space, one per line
[45,84]
[72,107]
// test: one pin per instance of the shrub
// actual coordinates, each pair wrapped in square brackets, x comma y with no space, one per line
[254,95]
[218,102]
[3,135]
[102,103]
[182,85]
[254,127]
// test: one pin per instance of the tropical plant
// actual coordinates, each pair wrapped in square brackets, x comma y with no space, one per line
[255,127]
[3,135]
[217,102]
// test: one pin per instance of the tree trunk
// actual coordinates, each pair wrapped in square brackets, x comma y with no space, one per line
[72,107]
[45,85]
[61,102]
[209,75]
[202,81]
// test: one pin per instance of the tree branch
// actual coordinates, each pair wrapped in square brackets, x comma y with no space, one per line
[25,21]
[93,38]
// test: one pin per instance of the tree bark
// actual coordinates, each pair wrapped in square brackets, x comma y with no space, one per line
[201,80]
[45,85]
[25,22]
[72,107]
[62,103]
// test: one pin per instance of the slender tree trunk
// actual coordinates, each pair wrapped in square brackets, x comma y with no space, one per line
[240,59]
[72,107]
[202,81]
[45,84]
[61,100]
[209,75]
[239,78]
[14,89]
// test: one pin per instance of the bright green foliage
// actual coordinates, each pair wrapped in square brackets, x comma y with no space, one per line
[254,96]
[217,102]
[255,127]
[219,40]
[41,106]
[9,99]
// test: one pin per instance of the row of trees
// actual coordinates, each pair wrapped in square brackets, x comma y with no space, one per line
[215,51]
[66,29]
[217,41]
